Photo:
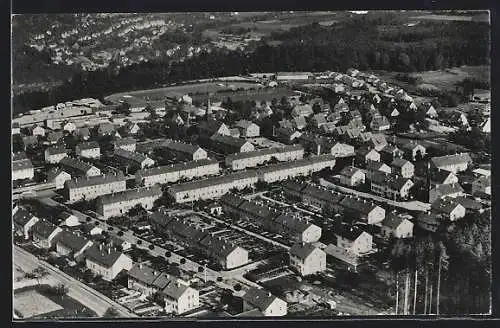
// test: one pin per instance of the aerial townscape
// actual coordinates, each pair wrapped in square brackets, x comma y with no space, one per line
[154,176]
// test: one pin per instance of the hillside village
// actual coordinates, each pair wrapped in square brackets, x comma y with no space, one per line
[256,200]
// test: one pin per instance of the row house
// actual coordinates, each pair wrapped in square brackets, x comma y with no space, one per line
[119,203]
[184,151]
[304,167]
[134,159]
[241,161]
[212,187]
[127,143]
[54,155]
[230,145]
[362,210]
[390,186]
[88,150]
[22,169]
[176,172]
[93,187]
[313,195]
[77,167]
[58,177]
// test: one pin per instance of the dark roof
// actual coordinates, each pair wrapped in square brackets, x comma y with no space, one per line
[231,200]
[229,178]
[144,274]
[399,162]
[297,163]
[106,128]
[220,247]
[55,135]
[262,152]
[76,164]
[56,150]
[22,216]
[130,194]
[392,221]
[260,298]
[302,251]
[71,240]
[83,132]
[210,126]
[30,140]
[349,171]
[375,166]
[175,289]
[130,155]
[44,228]
[395,182]
[160,217]
[124,141]
[323,194]
[293,224]
[244,124]
[468,203]
[448,189]
[444,205]
[95,180]
[105,257]
[175,167]
[88,145]
[180,146]
[257,210]
[451,159]
[349,232]
[440,176]
[358,205]
[227,140]
[293,185]
[19,156]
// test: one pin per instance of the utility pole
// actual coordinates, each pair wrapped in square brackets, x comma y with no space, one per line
[407,287]
[439,283]
[430,301]
[426,289]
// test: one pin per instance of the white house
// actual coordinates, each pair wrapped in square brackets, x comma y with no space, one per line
[179,297]
[54,154]
[453,163]
[354,241]
[88,150]
[106,262]
[70,127]
[402,167]
[307,259]
[449,209]
[44,233]
[396,226]
[23,221]
[352,176]
[58,177]
[265,302]
[71,244]
[248,129]
[342,150]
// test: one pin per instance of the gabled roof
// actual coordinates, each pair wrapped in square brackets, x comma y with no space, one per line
[399,162]
[448,189]
[130,194]
[350,233]
[378,140]
[227,140]
[175,167]
[70,240]
[76,164]
[44,228]
[231,200]
[440,176]
[468,203]
[149,276]
[349,171]
[106,257]
[358,205]
[451,159]
[175,289]
[393,221]
[22,216]
[294,224]
[56,150]
[130,155]
[219,246]
[302,251]
[445,205]
[210,126]
[95,180]
[180,146]
[244,124]
[259,298]
[88,145]
[21,165]
[376,166]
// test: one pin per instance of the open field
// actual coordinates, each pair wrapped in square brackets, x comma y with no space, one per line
[446,79]
[30,303]
[467,18]
[141,96]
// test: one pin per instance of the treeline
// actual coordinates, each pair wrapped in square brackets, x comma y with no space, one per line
[308,48]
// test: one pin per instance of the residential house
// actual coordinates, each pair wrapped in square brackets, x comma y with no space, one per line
[207,129]
[227,255]
[390,186]
[54,154]
[265,302]
[302,110]
[184,151]
[396,226]
[248,129]
[442,177]
[453,163]
[366,155]
[430,221]
[352,176]
[363,210]
[88,150]
[147,280]
[134,159]
[307,259]
[287,135]
[44,232]
[449,209]
[389,152]
[119,203]
[104,129]
[413,150]
[394,113]
[342,150]
[318,120]
[299,123]
[71,244]
[129,129]
[54,137]
[482,185]
[69,220]
[431,112]
[23,221]
[179,297]
[380,123]
[127,143]
[22,169]
[373,166]
[377,141]
[354,240]
[229,145]
[79,168]
[118,243]
[58,177]
[37,130]
[445,190]
[106,262]
[402,167]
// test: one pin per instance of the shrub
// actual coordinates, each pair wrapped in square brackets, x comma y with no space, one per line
[182,261]
[237,287]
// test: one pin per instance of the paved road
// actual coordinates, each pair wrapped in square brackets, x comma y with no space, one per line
[412,205]
[92,299]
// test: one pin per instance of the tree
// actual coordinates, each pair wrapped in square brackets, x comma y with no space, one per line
[182,261]
[316,108]
[237,287]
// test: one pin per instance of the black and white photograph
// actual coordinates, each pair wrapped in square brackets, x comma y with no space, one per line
[235,165]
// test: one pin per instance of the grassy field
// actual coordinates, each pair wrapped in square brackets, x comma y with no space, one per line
[446,79]
[142,96]
[35,302]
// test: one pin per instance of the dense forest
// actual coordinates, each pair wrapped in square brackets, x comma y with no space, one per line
[364,43]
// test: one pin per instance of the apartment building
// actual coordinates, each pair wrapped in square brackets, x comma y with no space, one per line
[127,143]
[88,150]
[363,210]
[175,172]
[286,170]
[119,203]
[106,262]
[54,155]
[241,161]
[184,151]
[135,160]
[93,187]
[22,169]
[77,167]
[453,163]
